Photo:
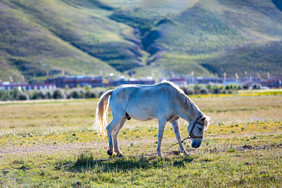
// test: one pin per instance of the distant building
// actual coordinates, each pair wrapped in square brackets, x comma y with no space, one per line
[229,81]
[273,82]
[24,86]
[179,81]
[208,80]
[122,81]
[74,81]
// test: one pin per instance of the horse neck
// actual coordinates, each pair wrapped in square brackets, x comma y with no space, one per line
[189,110]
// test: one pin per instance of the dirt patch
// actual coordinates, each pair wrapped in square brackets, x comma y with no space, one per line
[241,148]
[261,147]
[51,148]
[67,147]
[12,150]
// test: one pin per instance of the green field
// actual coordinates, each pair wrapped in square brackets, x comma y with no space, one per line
[52,144]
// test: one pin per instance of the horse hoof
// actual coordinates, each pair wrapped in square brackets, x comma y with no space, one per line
[110,153]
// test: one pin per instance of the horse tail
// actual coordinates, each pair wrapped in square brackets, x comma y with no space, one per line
[101,112]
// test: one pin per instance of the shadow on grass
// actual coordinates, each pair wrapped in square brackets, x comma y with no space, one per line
[87,162]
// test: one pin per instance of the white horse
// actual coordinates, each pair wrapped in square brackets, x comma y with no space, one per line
[164,101]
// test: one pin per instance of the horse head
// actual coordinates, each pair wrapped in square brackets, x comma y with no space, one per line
[196,130]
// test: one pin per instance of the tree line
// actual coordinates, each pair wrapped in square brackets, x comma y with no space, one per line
[86,92]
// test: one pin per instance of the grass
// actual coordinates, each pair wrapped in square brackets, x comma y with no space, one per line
[52,144]
[206,167]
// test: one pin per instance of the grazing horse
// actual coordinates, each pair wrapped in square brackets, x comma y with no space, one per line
[164,101]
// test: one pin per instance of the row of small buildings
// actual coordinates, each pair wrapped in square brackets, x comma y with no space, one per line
[81,81]
[25,86]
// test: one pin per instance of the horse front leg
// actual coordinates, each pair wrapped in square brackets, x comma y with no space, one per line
[162,124]
[176,130]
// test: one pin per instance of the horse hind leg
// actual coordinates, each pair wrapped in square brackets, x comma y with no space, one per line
[115,135]
[116,120]
[110,147]
[109,128]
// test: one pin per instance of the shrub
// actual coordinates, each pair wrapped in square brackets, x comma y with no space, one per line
[23,96]
[203,90]
[37,95]
[188,91]
[245,86]
[32,95]
[216,90]
[223,91]
[86,88]
[74,94]
[14,94]
[59,94]
[90,94]
[99,91]
[196,88]
[81,93]
[4,95]
[77,93]
[234,87]
[49,94]
[229,91]
[42,94]
[256,86]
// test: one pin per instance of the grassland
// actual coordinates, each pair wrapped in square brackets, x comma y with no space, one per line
[52,144]
[156,37]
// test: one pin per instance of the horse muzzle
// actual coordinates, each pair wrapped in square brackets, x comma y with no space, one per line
[196,144]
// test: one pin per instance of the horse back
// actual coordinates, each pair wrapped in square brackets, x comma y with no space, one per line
[144,92]
[145,100]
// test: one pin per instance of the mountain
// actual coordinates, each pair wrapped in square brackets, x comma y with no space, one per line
[157,37]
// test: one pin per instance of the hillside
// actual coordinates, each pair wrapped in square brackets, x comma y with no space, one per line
[155,37]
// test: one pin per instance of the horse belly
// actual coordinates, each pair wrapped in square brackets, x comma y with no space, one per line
[143,110]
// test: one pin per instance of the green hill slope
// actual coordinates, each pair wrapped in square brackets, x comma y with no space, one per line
[155,37]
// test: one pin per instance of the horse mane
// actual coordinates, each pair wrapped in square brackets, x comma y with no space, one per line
[188,103]
[176,87]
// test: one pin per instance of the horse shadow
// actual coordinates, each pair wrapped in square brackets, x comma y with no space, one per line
[125,164]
